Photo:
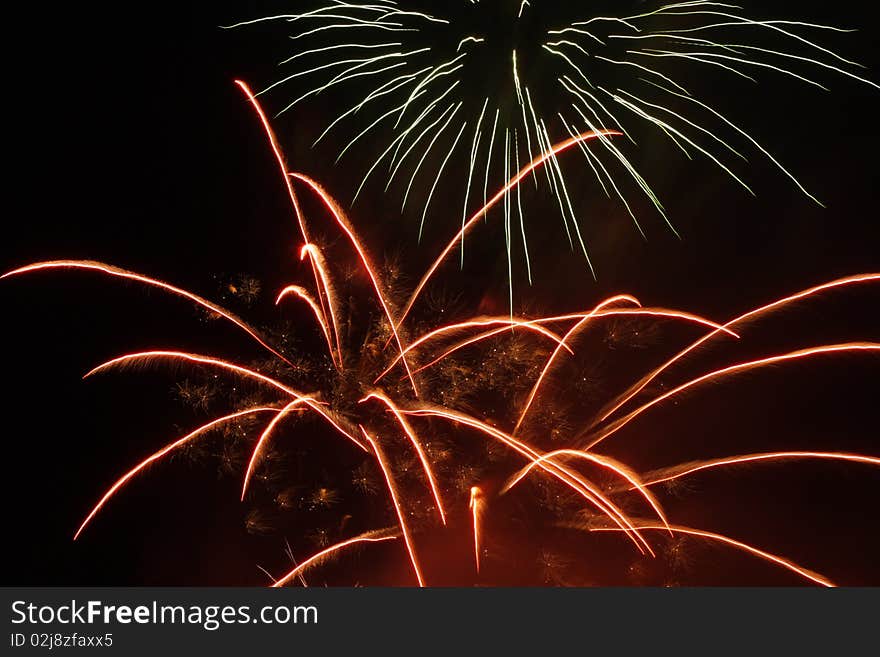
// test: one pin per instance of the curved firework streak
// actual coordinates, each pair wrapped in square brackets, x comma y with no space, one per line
[163,452]
[303,294]
[551,152]
[238,369]
[580,326]
[730,371]
[324,555]
[752,314]
[146,280]
[263,439]
[567,476]
[810,575]
[603,462]
[325,290]
[490,84]
[395,501]
[365,261]
[507,323]
[291,192]
[417,445]
[679,471]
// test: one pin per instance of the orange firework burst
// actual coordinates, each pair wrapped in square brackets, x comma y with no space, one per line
[393,391]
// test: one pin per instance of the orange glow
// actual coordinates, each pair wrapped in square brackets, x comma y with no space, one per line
[525,171]
[602,461]
[582,324]
[395,500]
[162,452]
[349,231]
[408,430]
[369,537]
[476,507]
[319,315]
[569,477]
[678,472]
[320,265]
[766,556]
[122,273]
[728,371]
[752,314]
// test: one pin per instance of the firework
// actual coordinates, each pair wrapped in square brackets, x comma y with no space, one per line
[479,88]
[392,409]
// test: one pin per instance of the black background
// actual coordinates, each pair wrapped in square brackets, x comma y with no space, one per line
[127,142]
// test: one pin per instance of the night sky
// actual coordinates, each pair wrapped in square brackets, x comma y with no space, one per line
[128,143]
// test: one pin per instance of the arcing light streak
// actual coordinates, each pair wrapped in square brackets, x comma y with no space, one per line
[316,310]
[602,461]
[347,229]
[571,333]
[506,324]
[485,336]
[395,500]
[476,507]
[368,537]
[525,171]
[282,165]
[248,373]
[729,371]
[162,452]
[416,443]
[530,323]
[194,358]
[752,314]
[766,556]
[570,478]
[122,273]
[677,472]
[325,287]
[263,439]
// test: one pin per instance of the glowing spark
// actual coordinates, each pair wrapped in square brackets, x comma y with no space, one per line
[476,507]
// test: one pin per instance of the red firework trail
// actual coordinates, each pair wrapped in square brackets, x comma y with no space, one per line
[354,418]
